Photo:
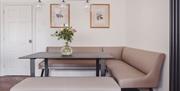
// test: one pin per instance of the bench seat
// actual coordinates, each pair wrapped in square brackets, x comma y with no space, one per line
[123,71]
[67,84]
[69,64]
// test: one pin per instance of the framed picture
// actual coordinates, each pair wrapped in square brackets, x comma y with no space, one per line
[100,16]
[59,16]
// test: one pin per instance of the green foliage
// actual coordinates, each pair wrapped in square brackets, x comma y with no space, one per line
[66,34]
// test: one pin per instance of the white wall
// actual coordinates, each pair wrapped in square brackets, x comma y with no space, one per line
[148,28]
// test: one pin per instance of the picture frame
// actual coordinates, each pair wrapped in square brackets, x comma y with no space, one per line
[100,16]
[59,16]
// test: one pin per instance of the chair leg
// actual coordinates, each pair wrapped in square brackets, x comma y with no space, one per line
[150,89]
[42,73]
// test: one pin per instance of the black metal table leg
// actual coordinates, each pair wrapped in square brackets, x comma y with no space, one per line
[46,67]
[97,67]
[32,67]
[103,68]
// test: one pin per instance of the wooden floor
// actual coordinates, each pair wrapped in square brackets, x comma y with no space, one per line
[6,82]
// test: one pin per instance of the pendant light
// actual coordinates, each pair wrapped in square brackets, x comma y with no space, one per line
[87,4]
[63,4]
[39,4]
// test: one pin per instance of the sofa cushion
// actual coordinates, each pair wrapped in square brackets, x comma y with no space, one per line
[122,71]
[141,59]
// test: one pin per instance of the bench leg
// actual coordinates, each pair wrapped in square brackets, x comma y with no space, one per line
[42,73]
[103,68]
[97,67]
[133,89]
[150,89]
[129,89]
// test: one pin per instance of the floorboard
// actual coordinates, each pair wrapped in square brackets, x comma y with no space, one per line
[6,82]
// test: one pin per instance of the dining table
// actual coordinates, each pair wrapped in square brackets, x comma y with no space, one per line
[100,58]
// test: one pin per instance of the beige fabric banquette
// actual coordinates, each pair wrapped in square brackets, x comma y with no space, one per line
[137,68]
[131,68]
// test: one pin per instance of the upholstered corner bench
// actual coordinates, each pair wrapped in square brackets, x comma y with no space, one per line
[131,68]
[67,84]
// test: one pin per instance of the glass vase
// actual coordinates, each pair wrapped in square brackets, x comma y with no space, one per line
[66,50]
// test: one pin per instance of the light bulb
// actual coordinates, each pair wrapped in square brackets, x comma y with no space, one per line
[87,4]
[63,4]
[39,4]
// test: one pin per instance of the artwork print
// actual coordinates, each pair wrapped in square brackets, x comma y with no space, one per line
[100,16]
[59,16]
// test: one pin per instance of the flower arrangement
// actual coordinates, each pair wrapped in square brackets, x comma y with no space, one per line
[65,34]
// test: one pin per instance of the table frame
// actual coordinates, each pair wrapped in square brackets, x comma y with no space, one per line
[100,66]
[32,67]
